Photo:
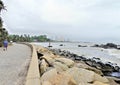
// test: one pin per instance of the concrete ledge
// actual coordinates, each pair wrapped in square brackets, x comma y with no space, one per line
[33,75]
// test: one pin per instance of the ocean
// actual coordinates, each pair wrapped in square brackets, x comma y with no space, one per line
[106,55]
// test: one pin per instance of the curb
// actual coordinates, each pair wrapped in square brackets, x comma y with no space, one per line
[33,75]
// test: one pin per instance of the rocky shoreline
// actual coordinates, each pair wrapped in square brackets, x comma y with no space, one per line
[108,46]
[59,67]
[107,68]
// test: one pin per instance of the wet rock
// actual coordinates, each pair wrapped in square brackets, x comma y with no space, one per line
[96,45]
[93,62]
[61,45]
[50,46]
[106,46]
[81,46]
[107,68]
[81,58]
[111,45]
[117,68]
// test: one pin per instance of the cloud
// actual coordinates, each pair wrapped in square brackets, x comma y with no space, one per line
[79,19]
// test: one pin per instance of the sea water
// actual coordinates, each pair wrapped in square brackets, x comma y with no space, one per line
[106,55]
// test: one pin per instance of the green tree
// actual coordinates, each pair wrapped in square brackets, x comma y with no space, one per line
[3,31]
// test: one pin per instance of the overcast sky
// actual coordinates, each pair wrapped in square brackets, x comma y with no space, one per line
[79,20]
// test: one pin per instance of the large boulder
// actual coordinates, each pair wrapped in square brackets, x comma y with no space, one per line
[99,83]
[81,75]
[95,83]
[59,66]
[49,59]
[85,84]
[48,75]
[43,66]
[46,83]
[85,66]
[65,61]
[56,78]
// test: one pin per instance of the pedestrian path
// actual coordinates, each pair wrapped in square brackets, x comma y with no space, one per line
[12,63]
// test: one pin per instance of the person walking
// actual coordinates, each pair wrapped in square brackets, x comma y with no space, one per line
[5,43]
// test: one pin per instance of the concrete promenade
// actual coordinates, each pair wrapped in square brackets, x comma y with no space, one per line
[13,63]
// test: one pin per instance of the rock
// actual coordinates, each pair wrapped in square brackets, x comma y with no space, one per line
[96,45]
[82,46]
[43,66]
[95,83]
[65,61]
[117,68]
[95,70]
[80,75]
[49,59]
[107,68]
[56,78]
[83,65]
[112,81]
[48,75]
[111,45]
[100,78]
[108,45]
[46,83]
[65,79]
[85,84]
[50,46]
[79,45]
[99,83]
[49,68]
[59,66]
[61,45]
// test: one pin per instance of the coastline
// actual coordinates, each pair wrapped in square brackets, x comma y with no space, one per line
[87,50]
[53,59]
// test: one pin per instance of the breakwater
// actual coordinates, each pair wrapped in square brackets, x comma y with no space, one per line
[108,68]
[59,67]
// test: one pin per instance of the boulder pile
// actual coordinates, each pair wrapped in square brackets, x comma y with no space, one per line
[59,70]
[107,46]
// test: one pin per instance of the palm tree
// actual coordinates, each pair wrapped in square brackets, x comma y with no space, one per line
[1,5]
[3,31]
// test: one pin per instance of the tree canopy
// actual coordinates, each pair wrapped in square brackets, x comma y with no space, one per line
[3,31]
[28,38]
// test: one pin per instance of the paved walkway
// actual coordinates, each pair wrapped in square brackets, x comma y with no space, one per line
[12,63]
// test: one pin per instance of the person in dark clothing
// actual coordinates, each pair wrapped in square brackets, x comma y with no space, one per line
[5,43]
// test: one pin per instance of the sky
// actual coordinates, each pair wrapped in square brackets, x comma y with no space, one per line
[77,20]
